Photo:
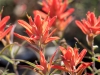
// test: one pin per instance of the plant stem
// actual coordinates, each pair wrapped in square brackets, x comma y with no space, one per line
[14,62]
[90,41]
[54,71]
[93,55]
[15,67]
[93,65]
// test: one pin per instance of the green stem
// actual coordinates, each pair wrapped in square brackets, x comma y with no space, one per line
[93,55]
[54,71]
[14,62]
[15,67]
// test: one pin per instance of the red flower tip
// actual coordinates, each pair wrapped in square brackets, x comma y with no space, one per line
[3,22]
[71,57]
[90,26]
[38,30]
[82,67]
[56,8]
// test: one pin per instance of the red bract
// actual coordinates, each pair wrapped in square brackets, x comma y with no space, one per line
[3,22]
[44,66]
[38,30]
[71,58]
[57,8]
[98,58]
[91,25]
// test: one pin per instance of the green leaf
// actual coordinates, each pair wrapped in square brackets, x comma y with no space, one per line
[97,72]
[27,62]
[6,58]
[95,59]
[90,68]
[19,48]
[11,74]
[1,52]
[54,72]
[97,55]
[5,72]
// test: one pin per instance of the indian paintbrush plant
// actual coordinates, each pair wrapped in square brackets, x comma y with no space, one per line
[43,29]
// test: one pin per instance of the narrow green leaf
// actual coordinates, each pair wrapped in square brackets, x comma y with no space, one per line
[11,74]
[97,72]
[97,55]
[27,62]
[19,48]
[5,48]
[6,58]
[5,72]
[90,68]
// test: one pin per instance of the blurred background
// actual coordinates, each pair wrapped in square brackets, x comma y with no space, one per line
[17,9]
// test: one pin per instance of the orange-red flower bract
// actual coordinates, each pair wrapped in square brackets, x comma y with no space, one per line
[71,59]
[89,26]
[38,30]
[45,66]
[3,22]
[57,8]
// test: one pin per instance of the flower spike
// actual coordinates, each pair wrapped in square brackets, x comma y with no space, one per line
[38,30]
